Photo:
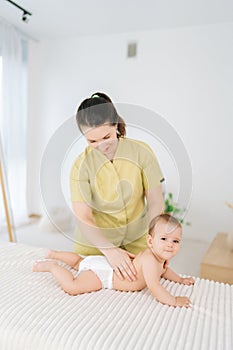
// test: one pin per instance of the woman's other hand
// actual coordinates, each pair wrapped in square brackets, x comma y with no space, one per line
[120,261]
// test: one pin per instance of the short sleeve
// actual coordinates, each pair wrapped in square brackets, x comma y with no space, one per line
[151,173]
[79,182]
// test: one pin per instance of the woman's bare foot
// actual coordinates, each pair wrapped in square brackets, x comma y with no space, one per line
[50,254]
[43,266]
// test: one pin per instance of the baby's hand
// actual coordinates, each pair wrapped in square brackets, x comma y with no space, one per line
[182,301]
[187,280]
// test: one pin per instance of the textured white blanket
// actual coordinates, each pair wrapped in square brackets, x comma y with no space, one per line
[35,314]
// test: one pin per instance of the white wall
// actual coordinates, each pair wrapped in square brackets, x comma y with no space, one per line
[183,74]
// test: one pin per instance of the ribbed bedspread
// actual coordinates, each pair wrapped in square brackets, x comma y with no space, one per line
[36,314]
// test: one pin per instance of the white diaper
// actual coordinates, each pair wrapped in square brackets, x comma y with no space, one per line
[101,267]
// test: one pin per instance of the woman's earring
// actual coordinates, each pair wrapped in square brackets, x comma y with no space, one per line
[118,132]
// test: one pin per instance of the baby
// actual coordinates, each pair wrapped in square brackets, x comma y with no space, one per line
[95,272]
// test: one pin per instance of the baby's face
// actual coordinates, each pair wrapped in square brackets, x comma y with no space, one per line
[166,240]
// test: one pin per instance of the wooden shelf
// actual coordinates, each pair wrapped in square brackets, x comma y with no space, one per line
[217,263]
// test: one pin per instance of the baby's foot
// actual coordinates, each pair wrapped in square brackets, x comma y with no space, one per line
[43,266]
[50,254]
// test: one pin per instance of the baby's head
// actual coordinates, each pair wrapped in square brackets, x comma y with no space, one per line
[164,236]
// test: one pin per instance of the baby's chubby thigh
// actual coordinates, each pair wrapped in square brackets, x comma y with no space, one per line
[87,281]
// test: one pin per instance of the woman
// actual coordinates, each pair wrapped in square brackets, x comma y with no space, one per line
[115,187]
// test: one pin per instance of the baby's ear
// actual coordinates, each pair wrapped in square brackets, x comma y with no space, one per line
[149,240]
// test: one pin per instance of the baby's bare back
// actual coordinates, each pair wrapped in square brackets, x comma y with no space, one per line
[126,285]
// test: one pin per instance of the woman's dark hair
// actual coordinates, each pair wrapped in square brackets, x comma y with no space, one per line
[97,110]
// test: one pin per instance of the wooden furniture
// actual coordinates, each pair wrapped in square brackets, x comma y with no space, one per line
[6,197]
[8,221]
[217,263]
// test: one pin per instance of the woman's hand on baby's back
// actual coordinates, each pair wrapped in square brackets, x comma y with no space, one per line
[120,260]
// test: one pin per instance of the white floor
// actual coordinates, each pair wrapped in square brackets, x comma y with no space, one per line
[187,261]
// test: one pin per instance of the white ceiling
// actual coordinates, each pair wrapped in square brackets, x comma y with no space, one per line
[56,19]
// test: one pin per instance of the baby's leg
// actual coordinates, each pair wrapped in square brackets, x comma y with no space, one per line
[85,282]
[69,258]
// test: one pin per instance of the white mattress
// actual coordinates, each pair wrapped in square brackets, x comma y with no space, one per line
[36,314]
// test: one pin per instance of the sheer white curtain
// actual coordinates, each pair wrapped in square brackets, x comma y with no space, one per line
[13,116]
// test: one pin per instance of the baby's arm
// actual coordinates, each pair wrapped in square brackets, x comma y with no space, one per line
[169,274]
[152,271]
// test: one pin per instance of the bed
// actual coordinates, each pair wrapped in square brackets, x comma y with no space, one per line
[35,314]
